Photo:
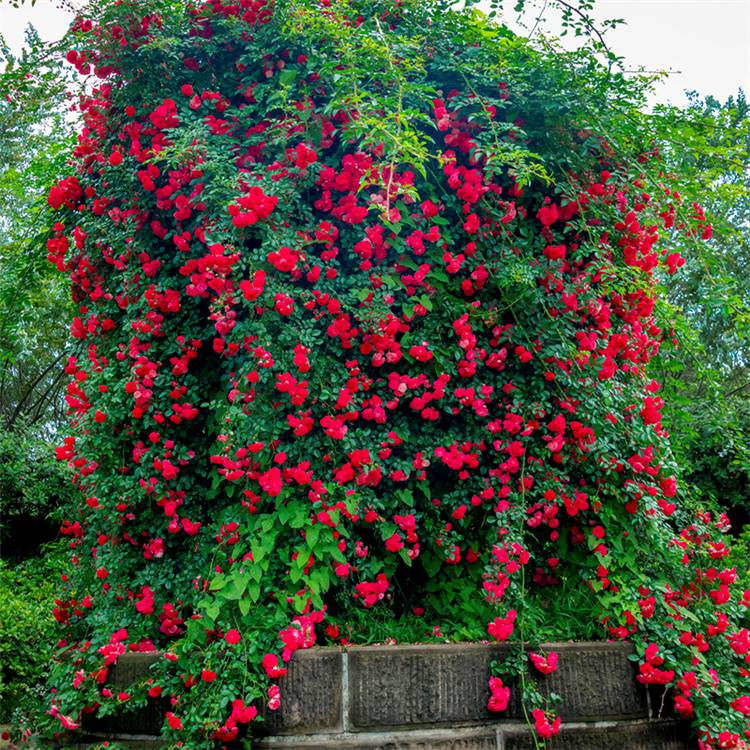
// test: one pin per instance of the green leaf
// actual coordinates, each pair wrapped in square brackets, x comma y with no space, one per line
[287,76]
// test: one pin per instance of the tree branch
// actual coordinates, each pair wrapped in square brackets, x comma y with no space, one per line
[22,400]
[590,26]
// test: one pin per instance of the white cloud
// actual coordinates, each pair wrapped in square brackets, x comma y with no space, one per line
[49,19]
[706,43]
[703,45]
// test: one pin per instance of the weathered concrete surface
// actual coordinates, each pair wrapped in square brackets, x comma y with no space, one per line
[401,686]
[130,668]
[129,743]
[429,696]
[631,735]
[311,695]
[646,735]
[438,739]
[305,708]
[396,686]
[596,682]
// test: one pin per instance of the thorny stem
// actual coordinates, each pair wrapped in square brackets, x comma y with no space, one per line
[522,675]
[399,119]
[592,29]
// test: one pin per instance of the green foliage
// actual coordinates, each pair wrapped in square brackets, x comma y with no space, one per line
[27,633]
[740,557]
[706,376]
[34,304]
[34,307]
[34,487]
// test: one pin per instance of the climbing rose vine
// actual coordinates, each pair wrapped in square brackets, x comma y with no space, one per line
[367,293]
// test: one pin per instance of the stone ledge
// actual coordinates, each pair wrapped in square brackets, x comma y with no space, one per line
[628,735]
[130,742]
[304,707]
[403,686]
[311,695]
[366,689]
[632,735]
[467,738]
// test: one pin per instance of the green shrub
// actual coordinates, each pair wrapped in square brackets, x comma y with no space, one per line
[33,488]
[27,594]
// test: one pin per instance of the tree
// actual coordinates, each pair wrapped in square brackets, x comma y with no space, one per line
[707,374]
[35,304]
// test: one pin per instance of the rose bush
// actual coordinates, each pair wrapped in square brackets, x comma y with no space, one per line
[367,295]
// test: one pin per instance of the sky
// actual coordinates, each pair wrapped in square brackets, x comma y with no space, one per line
[705,44]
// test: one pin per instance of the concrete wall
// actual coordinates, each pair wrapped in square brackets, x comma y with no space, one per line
[435,696]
